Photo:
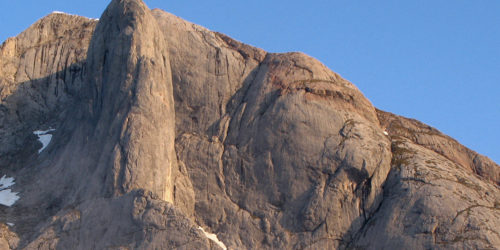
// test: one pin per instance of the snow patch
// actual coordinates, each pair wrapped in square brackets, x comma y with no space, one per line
[10,224]
[385,133]
[7,197]
[44,137]
[213,238]
[6,182]
[64,13]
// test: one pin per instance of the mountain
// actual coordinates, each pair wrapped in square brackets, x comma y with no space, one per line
[143,131]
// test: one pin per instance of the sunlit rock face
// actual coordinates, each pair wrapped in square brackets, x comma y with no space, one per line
[143,131]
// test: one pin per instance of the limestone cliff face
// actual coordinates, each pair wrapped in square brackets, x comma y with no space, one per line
[131,100]
[162,126]
[41,72]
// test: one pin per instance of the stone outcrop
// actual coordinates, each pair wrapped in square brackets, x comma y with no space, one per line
[444,145]
[42,70]
[163,127]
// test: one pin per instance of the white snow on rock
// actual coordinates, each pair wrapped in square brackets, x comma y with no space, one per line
[213,238]
[10,224]
[64,13]
[7,197]
[385,133]
[44,137]
[6,182]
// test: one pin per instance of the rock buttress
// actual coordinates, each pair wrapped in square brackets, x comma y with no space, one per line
[131,101]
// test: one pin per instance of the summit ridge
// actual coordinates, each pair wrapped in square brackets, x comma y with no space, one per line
[163,131]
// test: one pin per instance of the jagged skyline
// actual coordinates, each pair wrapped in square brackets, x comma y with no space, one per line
[434,62]
[145,131]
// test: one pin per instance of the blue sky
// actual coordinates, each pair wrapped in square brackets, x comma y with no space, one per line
[436,61]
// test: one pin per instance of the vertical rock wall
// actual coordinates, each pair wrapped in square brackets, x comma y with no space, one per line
[162,127]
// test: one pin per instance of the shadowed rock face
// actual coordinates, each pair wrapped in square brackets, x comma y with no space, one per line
[162,126]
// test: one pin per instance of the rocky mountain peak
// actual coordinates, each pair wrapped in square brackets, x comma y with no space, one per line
[144,131]
[131,98]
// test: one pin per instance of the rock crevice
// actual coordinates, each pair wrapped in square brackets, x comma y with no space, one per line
[163,127]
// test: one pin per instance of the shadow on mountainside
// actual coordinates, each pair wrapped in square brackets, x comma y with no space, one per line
[38,104]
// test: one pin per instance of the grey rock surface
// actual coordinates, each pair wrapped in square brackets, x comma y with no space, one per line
[41,72]
[163,127]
